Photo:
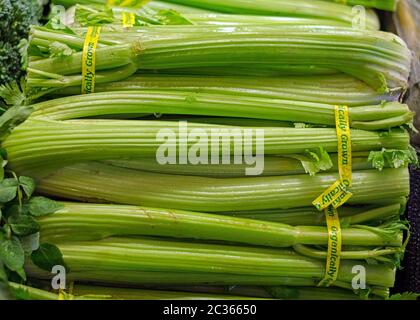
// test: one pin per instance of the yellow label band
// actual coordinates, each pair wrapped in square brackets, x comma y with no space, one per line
[342,123]
[338,194]
[334,247]
[61,295]
[128,19]
[127,3]
[342,199]
[334,195]
[89,60]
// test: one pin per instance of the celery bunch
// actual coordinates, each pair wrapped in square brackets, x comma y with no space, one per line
[179,217]
[283,8]
[379,59]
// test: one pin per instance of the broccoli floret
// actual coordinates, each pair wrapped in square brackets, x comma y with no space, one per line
[9,62]
[16,18]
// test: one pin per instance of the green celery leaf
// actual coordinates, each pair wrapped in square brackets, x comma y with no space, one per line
[41,206]
[325,162]
[377,159]
[172,17]
[56,23]
[413,158]
[60,50]
[314,161]
[91,16]
[47,256]
[13,93]
[34,51]
[405,296]
[393,158]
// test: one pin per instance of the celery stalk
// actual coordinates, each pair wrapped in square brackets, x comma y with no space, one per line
[95,221]
[385,116]
[66,142]
[95,182]
[380,59]
[376,254]
[273,166]
[331,89]
[115,293]
[84,292]
[311,217]
[23,292]
[156,5]
[121,260]
[219,19]
[283,8]
[303,8]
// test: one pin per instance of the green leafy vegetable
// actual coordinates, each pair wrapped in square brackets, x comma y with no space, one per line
[47,256]
[27,184]
[16,17]
[12,254]
[58,49]
[30,243]
[393,158]
[41,206]
[8,189]
[404,296]
[23,225]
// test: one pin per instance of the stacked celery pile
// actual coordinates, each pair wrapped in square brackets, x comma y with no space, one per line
[188,230]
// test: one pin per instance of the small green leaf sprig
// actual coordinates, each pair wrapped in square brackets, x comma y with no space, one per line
[19,229]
